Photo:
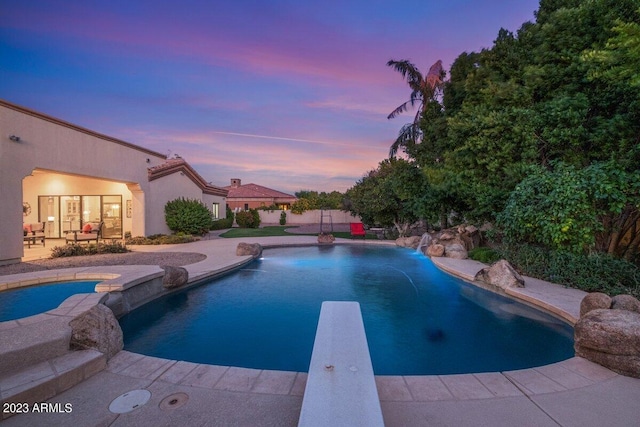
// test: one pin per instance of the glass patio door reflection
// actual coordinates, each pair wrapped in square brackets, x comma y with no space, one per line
[70,213]
[78,210]
[112,217]
[75,211]
[90,209]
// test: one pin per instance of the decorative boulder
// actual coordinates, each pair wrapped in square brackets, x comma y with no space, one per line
[436,250]
[625,302]
[455,250]
[251,249]
[447,235]
[174,277]
[501,275]
[408,242]
[97,329]
[325,238]
[594,301]
[610,338]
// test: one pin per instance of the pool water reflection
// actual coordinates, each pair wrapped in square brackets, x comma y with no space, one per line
[418,320]
[27,301]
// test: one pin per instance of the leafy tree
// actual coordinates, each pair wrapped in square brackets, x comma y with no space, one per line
[552,109]
[300,205]
[619,59]
[389,195]
[576,209]
[323,200]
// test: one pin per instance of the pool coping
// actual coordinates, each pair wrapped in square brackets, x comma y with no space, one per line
[565,375]
[569,374]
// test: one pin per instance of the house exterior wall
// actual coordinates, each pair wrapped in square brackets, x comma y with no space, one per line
[173,187]
[49,144]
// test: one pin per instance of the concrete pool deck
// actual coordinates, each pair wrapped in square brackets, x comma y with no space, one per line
[574,392]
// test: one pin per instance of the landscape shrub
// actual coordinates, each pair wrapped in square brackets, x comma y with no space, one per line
[595,272]
[283,218]
[222,224]
[484,254]
[161,239]
[256,217]
[76,249]
[248,219]
[188,216]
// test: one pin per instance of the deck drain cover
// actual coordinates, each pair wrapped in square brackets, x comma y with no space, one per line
[129,401]
[174,401]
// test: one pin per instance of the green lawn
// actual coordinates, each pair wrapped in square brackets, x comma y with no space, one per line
[258,232]
[279,231]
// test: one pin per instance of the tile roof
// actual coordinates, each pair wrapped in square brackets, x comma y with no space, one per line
[249,191]
[172,166]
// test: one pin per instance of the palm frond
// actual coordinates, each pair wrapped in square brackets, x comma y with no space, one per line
[399,110]
[408,135]
[409,72]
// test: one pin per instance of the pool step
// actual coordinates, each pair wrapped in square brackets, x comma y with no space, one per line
[39,382]
[31,340]
[43,338]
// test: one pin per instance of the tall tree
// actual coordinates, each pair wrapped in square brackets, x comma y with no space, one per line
[424,90]
[389,195]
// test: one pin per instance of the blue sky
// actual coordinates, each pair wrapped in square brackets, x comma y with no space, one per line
[287,94]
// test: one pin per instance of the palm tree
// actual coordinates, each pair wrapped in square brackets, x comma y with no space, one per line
[423,88]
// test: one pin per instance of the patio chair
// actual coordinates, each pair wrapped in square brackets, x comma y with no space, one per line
[34,232]
[90,231]
[357,229]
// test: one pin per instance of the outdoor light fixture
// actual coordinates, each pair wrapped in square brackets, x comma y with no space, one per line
[14,138]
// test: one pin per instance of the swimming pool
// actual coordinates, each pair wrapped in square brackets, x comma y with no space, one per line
[30,300]
[418,320]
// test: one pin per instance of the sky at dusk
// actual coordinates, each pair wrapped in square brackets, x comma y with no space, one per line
[289,94]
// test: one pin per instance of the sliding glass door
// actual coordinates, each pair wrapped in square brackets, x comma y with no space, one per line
[65,213]
[112,217]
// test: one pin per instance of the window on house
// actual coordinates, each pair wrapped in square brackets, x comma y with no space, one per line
[246,206]
[215,210]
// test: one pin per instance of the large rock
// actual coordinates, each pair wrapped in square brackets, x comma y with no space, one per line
[501,275]
[408,242]
[97,329]
[625,302]
[447,235]
[455,250]
[174,277]
[610,338]
[436,250]
[251,249]
[594,301]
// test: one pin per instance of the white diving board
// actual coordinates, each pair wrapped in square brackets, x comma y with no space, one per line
[341,388]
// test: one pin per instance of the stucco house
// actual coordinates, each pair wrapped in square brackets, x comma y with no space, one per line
[252,196]
[64,175]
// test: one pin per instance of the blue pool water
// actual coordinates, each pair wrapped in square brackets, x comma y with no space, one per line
[23,302]
[418,320]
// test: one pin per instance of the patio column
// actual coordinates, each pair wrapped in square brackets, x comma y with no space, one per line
[138,214]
